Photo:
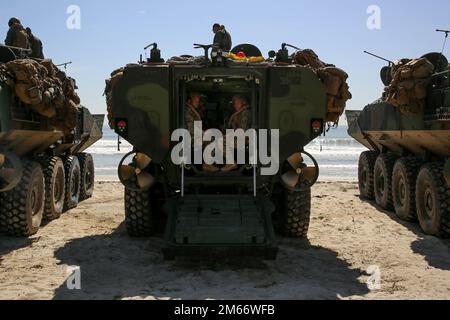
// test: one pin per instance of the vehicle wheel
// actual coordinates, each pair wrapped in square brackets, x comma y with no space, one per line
[433,201]
[23,207]
[138,213]
[404,180]
[73,182]
[295,213]
[384,167]
[87,176]
[55,182]
[365,174]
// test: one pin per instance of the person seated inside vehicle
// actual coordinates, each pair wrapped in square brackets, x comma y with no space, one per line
[194,112]
[241,119]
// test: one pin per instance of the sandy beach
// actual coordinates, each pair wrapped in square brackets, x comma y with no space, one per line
[347,236]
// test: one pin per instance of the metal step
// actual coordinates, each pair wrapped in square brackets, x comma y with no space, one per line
[220,224]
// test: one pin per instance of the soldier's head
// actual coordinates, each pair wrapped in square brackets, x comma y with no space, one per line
[217,27]
[239,102]
[28,30]
[13,21]
[195,99]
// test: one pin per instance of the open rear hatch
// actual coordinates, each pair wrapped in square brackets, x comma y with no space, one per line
[217,224]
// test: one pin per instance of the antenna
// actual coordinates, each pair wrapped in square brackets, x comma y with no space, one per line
[378,57]
[284,45]
[447,32]
[64,65]
[154,45]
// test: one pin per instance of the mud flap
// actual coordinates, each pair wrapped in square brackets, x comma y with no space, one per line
[209,225]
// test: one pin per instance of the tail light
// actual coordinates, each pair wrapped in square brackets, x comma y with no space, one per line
[317,126]
[122,125]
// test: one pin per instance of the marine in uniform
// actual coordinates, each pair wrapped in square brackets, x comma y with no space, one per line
[222,38]
[241,119]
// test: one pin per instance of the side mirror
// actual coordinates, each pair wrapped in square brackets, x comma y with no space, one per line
[272,54]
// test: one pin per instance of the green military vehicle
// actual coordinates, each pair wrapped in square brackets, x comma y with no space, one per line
[43,171]
[407,169]
[210,212]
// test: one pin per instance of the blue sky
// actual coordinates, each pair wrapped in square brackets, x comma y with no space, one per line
[114,33]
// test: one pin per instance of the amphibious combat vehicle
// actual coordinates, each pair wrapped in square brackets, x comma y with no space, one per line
[43,171]
[222,211]
[407,131]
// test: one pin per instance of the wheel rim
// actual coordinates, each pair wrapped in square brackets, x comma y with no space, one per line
[59,186]
[88,179]
[33,202]
[401,192]
[429,203]
[36,198]
[381,185]
[75,182]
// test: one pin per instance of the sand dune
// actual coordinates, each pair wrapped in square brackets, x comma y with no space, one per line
[347,237]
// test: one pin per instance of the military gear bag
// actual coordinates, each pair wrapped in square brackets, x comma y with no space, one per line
[227,42]
[334,80]
[45,89]
[408,88]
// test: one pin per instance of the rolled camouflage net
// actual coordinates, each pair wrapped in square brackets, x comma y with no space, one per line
[110,84]
[187,60]
[334,79]
[408,88]
[44,88]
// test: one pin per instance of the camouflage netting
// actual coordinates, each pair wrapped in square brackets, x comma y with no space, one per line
[186,60]
[110,84]
[334,79]
[44,88]
[408,88]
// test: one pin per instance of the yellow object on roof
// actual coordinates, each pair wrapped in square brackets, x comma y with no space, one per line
[245,59]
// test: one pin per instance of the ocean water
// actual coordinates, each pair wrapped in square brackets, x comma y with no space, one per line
[337,154]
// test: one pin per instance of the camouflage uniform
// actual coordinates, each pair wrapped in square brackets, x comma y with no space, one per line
[36,47]
[10,37]
[13,40]
[241,119]
[223,40]
[191,116]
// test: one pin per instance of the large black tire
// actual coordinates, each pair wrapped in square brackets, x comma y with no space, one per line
[404,179]
[138,214]
[73,182]
[433,201]
[22,208]
[384,167]
[294,213]
[87,176]
[365,174]
[55,182]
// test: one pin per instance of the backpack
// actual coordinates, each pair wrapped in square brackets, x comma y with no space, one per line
[227,43]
